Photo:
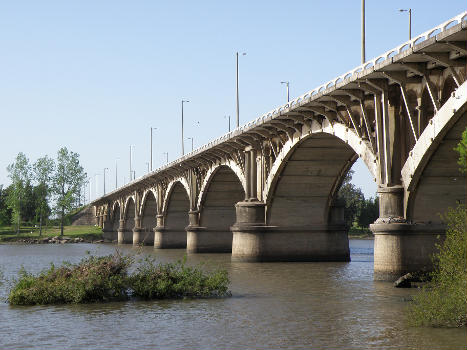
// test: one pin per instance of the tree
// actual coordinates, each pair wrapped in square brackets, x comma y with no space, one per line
[20,174]
[352,197]
[462,150]
[369,212]
[43,172]
[5,211]
[67,181]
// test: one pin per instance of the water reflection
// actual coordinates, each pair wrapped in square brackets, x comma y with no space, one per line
[274,306]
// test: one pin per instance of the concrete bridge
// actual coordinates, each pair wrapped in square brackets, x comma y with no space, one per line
[267,190]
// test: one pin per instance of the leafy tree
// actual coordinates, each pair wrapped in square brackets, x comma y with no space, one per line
[67,181]
[352,197]
[369,212]
[462,150]
[20,174]
[28,204]
[5,211]
[43,172]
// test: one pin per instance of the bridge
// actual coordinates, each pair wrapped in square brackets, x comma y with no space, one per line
[267,191]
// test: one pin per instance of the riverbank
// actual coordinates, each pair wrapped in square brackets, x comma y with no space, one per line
[51,234]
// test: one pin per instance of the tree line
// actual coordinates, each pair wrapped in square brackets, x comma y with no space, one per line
[38,190]
[358,210]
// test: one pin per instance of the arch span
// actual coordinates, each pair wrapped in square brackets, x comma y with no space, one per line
[173,235]
[337,132]
[148,218]
[216,212]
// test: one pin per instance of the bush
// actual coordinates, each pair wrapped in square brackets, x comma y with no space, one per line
[156,281]
[94,279]
[443,302]
[101,279]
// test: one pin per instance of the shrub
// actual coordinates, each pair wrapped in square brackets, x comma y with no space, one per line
[101,279]
[94,279]
[156,281]
[443,302]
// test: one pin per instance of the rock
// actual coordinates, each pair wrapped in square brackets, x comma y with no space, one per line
[77,240]
[404,281]
[99,241]
[45,240]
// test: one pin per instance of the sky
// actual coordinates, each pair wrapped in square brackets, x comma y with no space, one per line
[95,76]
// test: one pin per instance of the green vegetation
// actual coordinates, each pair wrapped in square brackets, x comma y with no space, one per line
[359,212]
[9,234]
[94,279]
[156,281]
[101,279]
[37,191]
[443,302]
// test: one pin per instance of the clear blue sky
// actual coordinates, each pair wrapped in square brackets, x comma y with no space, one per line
[94,76]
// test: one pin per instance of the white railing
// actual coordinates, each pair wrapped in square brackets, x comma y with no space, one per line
[319,90]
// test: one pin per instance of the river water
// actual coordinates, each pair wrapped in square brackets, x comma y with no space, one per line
[273,306]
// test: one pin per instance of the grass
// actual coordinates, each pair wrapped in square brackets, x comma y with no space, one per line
[8,234]
[102,279]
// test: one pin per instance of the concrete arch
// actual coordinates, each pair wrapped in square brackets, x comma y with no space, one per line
[149,191]
[129,214]
[449,86]
[176,216]
[360,147]
[183,182]
[217,212]
[306,185]
[115,216]
[212,172]
[148,216]
[432,162]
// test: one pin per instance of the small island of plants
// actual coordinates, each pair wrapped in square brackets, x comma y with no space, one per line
[107,278]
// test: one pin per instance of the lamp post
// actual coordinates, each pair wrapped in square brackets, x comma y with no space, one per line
[191,138]
[410,20]
[238,98]
[152,129]
[287,85]
[183,140]
[363,32]
[116,173]
[104,178]
[131,159]
[166,156]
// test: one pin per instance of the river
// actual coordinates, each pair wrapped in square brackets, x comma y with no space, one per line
[273,306]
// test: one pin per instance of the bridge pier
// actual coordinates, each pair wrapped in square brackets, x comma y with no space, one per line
[204,240]
[254,241]
[123,235]
[401,247]
[164,238]
[108,230]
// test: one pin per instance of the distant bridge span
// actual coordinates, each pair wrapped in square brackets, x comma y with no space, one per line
[267,190]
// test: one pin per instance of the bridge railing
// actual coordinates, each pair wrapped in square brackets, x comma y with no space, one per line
[320,90]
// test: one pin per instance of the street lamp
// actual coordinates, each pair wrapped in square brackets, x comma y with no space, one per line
[152,129]
[183,140]
[191,138]
[131,158]
[166,156]
[363,32]
[104,178]
[238,98]
[287,85]
[116,173]
[410,20]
